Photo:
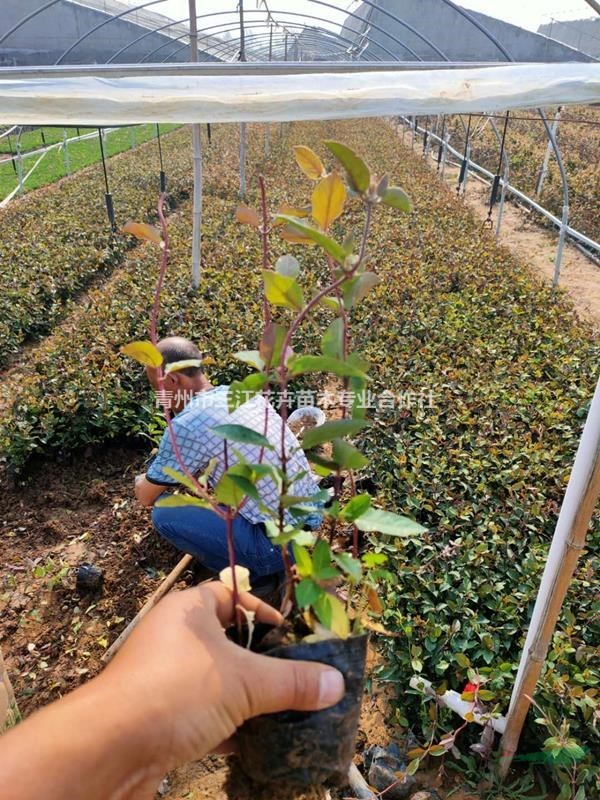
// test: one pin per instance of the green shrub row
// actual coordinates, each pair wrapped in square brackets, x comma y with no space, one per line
[483,464]
[56,241]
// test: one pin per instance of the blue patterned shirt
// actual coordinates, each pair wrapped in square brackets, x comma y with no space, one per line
[198,445]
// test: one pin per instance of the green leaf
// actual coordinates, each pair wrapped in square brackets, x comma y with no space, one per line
[462,660]
[332,342]
[359,287]
[240,433]
[271,344]
[374,520]
[288,265]
[374,559]
[179,500]
[355,507]
[321,557]
[303,560]
[251,357]
[413,766]
[241,392]
[143,352]
[351,566]
[395,197]
[244,483]
[180,477]
[347,456]
[228,492]
[300,365]
[331,430]
[357,172]
[332,614]
[335,250]
[307,592]
[281,290]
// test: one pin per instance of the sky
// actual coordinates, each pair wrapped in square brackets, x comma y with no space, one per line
[525,13]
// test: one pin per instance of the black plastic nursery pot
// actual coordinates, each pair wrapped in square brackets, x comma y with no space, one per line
[301,748]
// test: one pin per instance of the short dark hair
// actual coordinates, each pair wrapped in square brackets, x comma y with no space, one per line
[177,348]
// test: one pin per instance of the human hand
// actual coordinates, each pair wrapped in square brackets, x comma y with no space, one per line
[197,687]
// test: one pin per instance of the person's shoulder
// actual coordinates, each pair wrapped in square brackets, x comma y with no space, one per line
[205,408]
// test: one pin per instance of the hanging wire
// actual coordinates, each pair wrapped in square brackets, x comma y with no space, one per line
[497,176]
[110,210]
[463,166]
[163,177]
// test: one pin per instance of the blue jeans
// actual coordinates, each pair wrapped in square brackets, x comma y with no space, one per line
[201,533]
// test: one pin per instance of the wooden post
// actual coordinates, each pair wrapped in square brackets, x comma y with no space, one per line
[9,713]
[576,512]
[197,162]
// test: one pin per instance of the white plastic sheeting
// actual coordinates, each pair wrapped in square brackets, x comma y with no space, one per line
[237,98]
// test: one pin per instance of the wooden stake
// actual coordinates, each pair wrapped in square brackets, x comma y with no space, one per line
[162,590]
[578,506]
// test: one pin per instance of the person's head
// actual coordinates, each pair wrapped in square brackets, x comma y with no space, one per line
[182,384]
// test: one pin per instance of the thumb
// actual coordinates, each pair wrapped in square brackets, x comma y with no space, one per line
[283,685]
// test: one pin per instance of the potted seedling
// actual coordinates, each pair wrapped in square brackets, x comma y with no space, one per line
[330,579]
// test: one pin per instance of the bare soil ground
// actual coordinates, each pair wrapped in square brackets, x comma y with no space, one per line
[523,233]
[53,638]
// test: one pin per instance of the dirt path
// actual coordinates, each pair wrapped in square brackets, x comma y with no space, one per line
[522,232]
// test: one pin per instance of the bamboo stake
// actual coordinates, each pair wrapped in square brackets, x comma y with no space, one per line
[197,163]
[162,590]
[9,712]
[358,784]
[578,506]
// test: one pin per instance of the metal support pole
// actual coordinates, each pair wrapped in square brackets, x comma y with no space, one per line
[132,141]
[110,209]
[547,154]
[502,199]
[20,167]
[445,153]
[466,173]
[267,139]
[66,149]
[242,160]
[270,43]
[197,162]
[564,224]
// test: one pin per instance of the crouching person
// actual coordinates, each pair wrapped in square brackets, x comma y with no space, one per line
[198,407]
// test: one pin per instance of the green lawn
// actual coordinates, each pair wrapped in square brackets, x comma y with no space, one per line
[40,137]
[81,154]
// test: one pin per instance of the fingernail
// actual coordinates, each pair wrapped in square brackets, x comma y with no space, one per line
[331,687]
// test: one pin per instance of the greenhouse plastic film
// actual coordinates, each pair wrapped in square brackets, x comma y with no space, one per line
[234,98]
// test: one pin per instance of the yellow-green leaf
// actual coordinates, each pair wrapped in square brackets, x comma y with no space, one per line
[247,216]
[143,352]
[281,290]
[143,231]
[309,162]
[177,366]
[328,200]
[332,614]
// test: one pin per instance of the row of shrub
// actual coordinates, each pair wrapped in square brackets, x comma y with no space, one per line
[482,461]
[80,391]
[57,240]
[526,143]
